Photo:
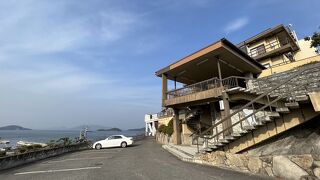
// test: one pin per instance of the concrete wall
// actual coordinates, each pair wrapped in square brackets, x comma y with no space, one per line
[17,160]
[289,66]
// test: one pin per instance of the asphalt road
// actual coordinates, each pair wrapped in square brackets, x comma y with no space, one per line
[145,160]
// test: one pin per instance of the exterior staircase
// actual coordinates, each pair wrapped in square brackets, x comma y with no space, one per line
[270,98]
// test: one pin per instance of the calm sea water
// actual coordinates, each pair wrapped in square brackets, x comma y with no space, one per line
[45,136]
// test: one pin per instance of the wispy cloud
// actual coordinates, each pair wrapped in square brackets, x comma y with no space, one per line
[236,24]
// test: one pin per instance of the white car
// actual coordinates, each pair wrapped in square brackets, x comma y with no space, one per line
[114,141]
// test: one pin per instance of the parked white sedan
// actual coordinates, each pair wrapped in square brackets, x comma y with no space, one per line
[114,141]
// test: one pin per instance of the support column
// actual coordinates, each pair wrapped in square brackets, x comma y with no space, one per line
[176,128]
[164,88]
[226,113]
[225,99]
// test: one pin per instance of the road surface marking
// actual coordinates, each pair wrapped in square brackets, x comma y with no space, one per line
[57,170]
[75,159]
[102,152]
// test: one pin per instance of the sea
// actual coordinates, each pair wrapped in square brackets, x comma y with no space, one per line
[44,136]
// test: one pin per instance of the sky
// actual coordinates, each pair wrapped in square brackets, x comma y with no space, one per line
[66,63]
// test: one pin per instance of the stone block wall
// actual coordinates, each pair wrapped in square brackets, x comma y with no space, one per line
[298,167]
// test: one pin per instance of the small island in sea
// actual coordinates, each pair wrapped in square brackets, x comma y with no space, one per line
[111,129]
[13,127]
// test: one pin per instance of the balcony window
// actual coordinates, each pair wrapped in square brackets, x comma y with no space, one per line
[258,51]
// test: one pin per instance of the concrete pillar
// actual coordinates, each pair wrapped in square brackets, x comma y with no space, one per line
[164,88]
[225,99]
[176,128]
[226,113]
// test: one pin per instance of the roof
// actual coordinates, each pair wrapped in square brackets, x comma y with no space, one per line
[222,49]
[265,33]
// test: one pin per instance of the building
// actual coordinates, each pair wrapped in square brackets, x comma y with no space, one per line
[233,97]
[151,121]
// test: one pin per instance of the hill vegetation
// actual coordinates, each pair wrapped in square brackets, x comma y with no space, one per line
[13,127]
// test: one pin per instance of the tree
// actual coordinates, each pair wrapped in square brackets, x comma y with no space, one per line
[315,41]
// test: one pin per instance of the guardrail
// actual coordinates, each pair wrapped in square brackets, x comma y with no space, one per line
[194,88]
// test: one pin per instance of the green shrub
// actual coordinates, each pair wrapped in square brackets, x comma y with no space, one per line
[162,128]
[166,129]
[169,128]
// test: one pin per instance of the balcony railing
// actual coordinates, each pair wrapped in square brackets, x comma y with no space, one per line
[165,113]
[263,49]
[228,83]
[194,88]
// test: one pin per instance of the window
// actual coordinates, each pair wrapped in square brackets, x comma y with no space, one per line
[258,51]
[117,137]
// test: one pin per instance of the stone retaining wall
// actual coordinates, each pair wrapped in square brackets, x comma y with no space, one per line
[163,138]
[289,167]
[20,159]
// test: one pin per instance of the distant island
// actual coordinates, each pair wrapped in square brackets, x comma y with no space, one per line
[137,129]
[111,129]
[13,127]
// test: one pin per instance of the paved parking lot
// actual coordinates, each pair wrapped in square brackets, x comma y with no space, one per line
[145,160]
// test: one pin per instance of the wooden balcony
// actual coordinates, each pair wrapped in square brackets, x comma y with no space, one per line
[195,93]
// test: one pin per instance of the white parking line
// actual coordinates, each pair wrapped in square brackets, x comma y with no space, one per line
[75,159]
[95,152]
[57,170]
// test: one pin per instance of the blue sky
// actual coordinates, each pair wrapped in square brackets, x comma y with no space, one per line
[70,62]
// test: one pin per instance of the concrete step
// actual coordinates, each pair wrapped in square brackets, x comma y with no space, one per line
[207,149]
[273,115]
[249,128]
[224,141]
[241,132]
[229,138]
[236,135]
[218,144]
[263,119]
[292,105]
[283,110]
[302,98]
[213,147]
[259,123]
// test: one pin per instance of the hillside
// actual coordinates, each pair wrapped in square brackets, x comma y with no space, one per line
[111,129]
[13,127]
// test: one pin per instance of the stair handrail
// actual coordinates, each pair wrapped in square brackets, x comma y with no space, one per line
[297,73]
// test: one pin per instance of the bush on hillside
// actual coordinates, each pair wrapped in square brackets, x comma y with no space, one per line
[169,128]
[166,129]
[162,128]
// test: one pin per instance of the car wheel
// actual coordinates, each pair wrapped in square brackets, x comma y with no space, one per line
[98,146]
[123,144]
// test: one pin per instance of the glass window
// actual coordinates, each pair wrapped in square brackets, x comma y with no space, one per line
[117,137]
[111,137]
[258,51]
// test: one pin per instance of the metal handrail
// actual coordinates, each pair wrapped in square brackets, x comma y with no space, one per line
[197,87]
[299,72]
